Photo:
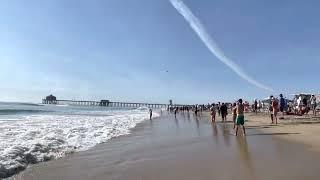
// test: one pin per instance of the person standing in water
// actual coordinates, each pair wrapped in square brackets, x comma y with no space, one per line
[150,112]
[196,110]
[175,112]
[240,117]
[213,113]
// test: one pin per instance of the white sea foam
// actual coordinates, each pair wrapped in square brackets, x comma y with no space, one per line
[62,105]
[39,138]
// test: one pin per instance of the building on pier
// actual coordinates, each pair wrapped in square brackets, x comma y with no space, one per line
[104,103]
[51,98]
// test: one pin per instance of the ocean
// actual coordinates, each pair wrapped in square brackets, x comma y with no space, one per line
[32,133]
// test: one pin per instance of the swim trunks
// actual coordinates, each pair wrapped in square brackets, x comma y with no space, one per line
[240,120]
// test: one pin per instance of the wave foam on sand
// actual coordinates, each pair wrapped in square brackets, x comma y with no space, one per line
[38,138]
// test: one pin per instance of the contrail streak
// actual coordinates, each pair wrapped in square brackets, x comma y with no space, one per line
[197,26]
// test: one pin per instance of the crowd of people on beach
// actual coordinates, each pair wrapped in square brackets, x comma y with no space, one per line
[298,106]
[272,105]
[237,110]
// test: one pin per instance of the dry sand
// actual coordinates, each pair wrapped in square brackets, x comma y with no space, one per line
[190,148]
[299,129]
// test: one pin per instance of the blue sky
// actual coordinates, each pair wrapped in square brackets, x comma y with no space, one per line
[121,50]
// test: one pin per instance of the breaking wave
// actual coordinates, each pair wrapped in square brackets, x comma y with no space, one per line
[38,138]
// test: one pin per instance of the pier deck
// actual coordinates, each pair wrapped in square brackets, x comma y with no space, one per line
[106,103]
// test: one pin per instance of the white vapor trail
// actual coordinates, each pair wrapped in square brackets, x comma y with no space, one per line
[197,26]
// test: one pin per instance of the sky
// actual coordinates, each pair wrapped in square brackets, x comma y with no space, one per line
[145,51]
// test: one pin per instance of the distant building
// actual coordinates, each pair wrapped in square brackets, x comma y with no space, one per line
[104,103]
[170,102]
[51,98]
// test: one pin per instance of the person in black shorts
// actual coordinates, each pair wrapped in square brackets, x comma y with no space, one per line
[224,112]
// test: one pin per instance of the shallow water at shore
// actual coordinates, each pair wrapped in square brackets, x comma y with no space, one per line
[185,148]
[31,133]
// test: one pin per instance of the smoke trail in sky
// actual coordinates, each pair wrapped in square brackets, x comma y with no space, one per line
[197,26]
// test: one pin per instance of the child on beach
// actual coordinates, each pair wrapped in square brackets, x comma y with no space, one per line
[213,113]
[234,114]
[240,117]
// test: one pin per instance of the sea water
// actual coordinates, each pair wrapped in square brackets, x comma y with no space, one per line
[32,133]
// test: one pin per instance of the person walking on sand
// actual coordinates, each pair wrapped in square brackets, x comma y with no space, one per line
[219,108]
[150,112]
[259,106]
[275,105]
[282,105]
[313,102]
[255,106]
[240,117]
[224,112]
[270,109]
[234,114]
[196,110]
[213,113]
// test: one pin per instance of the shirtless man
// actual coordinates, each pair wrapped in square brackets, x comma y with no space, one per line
[240,117]
[234,114]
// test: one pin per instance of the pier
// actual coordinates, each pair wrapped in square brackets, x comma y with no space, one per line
[106,103]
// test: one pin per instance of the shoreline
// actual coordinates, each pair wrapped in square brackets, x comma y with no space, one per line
[184,148]
[49,136]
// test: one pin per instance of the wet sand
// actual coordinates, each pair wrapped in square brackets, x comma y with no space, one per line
[185,148]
